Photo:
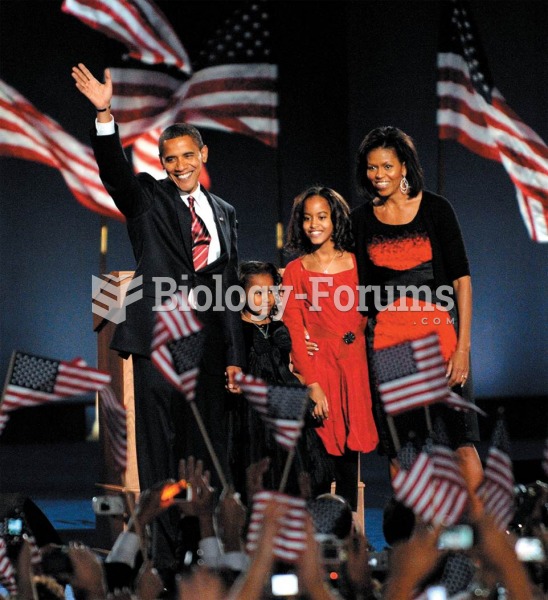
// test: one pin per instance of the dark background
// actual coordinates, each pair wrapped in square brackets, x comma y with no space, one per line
[344,68]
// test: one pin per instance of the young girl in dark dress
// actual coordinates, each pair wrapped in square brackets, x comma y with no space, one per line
[268,347]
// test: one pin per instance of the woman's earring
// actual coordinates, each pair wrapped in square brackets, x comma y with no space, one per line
[404,186]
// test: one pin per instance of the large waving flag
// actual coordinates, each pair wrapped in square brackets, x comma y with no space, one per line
[497,489]
[473,112]
[281,407]
[233,87]
[138,24]
[26,133]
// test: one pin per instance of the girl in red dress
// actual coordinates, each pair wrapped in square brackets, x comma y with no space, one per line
[321,301]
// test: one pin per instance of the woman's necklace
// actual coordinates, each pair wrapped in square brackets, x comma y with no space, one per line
[325,269]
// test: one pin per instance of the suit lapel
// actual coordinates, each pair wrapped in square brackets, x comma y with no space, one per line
[183,219]
[220,222]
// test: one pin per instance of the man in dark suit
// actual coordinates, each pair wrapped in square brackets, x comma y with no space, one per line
[181,232]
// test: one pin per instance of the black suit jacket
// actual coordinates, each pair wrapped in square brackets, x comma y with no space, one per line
[159,224]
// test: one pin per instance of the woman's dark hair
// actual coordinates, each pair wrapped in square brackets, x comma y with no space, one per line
[403,146]
[296,240]
[249,268]
[179,130]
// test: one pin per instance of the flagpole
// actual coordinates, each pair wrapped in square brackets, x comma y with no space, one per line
[287,468]
[393,432]
[428,419]
[209,445]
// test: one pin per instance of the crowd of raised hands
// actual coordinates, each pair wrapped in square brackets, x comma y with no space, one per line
[221,569]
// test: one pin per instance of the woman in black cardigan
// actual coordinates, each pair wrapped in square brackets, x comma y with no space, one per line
[407,236]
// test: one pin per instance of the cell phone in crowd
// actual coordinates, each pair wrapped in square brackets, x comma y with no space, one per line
[284,584]
[180,490]
[108,505]
[457,537]
[530,549]
[436,592]
[13,527]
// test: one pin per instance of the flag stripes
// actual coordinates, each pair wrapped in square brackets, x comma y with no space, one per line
[412,374]
[26,133]
[281,407]
[497,488]
[432,486]
[178,326]
[7,571]
[33,380]
[474,113]
[116,426]
[291,539]
[138,24]
[450,495]
[239,98]
[414,489]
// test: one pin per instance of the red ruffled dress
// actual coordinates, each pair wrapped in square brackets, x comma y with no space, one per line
[340,364]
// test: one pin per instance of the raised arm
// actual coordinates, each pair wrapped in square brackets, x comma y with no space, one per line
[99,94]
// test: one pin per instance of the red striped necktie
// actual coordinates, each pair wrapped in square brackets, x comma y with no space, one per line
[200,238]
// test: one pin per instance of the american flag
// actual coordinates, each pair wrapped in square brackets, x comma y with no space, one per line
[138,24]
[497,488]
[290,541]
[431,484]
[281,407]
[28,134]
[232,89]
[450,492]
[7,572]
[177,345]
[413,483]
[33,380]
[473,112]
[114,418]
[412,374]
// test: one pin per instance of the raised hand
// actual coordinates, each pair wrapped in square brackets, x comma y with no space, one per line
[99,94]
